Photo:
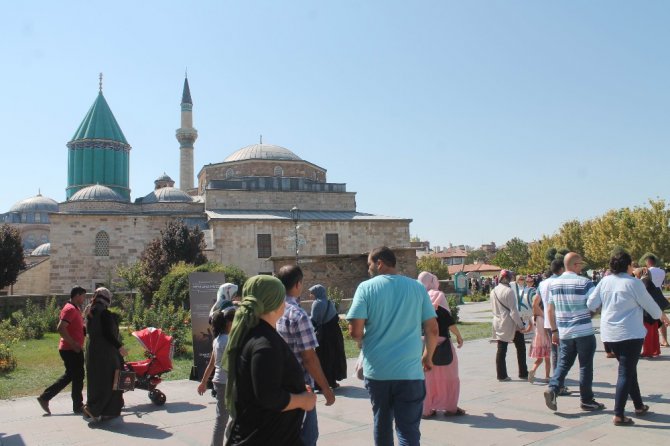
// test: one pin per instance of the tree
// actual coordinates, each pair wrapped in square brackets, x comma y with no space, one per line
[433,265]
[131,275]
[177,243]
[514,255]
[11,255]
[476,255]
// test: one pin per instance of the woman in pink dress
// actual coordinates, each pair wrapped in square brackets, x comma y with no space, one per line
[442,383]
[540,349]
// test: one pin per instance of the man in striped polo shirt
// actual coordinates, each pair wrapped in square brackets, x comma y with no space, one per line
[571,325]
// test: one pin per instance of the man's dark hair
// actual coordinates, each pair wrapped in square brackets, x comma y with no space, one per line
[619,262]
[651,259]
[290,275]
[76,291]
[557,266]
[384,254]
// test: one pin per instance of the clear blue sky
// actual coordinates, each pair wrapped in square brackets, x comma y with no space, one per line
[480,120]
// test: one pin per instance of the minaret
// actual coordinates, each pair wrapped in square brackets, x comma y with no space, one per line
[186,135]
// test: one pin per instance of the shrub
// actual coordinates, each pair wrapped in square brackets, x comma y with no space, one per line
[453,307]
[174,321]
[478,297]
[7,358]
[336,295]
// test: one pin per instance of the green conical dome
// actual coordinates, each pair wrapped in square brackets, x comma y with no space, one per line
[99,123]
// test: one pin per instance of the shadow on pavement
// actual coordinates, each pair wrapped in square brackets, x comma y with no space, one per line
[490,421]
[351,392]
[12,440]
[176,407]
[136,430]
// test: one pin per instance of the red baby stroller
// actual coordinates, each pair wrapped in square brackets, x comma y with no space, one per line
[159,349]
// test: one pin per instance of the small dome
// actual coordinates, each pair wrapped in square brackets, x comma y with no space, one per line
[167,195]
[42,250]
[96,192]
[263,152]
[164,181]
[36,203]
[164,177]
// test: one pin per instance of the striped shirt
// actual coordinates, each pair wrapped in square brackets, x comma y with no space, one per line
[568,293]
[296,328]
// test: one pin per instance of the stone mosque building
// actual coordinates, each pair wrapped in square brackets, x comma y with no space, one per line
[243,204]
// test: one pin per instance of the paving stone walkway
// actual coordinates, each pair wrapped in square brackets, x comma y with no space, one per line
[511,413]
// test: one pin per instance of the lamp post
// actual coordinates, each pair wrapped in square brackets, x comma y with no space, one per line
[295,216]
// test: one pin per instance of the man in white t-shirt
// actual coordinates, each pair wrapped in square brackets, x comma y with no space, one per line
[657,278]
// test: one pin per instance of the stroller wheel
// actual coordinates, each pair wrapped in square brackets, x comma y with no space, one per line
[157,397]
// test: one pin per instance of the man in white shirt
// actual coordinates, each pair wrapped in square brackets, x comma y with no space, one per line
[657,278]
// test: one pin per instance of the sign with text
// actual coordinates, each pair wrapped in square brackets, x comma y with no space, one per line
[202,294]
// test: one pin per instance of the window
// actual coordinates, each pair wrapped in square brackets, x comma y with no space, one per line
[264,242]
[279,172]
[332,244]
[229,174]
[24,217]
[38,217]
[101,244]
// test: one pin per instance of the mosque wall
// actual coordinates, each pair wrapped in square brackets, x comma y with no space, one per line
[73,246]
[35,279]
[263,168]
[244,199]
[236,242]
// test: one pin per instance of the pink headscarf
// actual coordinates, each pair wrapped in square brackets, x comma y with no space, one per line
[433,287]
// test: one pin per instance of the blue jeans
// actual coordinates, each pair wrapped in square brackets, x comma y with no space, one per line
[310,429]
[628,354]
[583,348]
[401,400]
[221,415]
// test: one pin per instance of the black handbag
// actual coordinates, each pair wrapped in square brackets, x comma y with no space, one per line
[443,354]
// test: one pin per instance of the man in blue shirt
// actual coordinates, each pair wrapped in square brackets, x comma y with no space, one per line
[387,314]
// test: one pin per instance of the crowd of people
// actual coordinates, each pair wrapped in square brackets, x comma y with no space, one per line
[269,356]
[631,305]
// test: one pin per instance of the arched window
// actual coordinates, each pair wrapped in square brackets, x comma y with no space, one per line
[102,244]
[230,173]
[279,172]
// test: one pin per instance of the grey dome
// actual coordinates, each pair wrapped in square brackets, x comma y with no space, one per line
[36,203]
[164,177]
[96,192]
[263,152]
[167,195]
[43,250]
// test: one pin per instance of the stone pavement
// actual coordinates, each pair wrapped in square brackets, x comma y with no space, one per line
[511,413]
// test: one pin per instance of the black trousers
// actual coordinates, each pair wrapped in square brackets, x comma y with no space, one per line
[74,373]
[501,365]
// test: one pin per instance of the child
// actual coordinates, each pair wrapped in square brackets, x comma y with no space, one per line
[540,349]
[222,321]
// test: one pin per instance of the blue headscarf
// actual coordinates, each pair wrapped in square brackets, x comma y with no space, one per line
[322,310]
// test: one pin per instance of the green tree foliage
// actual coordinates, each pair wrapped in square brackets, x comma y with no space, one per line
[477,255]
[131,275]
[433,265]
[11,255]
[177,243]
[174,288]
[514,255]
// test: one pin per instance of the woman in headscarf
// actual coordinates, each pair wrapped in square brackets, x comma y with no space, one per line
[104,353]
[326,323]
[443,385]
[265,392]
[224,298]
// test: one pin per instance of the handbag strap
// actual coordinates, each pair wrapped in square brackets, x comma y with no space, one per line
[502,304]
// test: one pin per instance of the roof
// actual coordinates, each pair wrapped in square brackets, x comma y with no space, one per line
[99,123]
[452,252]
[96,192]
[186,95]
[167,195]
[473,268]
[263,152]
[36,203]
[236,214]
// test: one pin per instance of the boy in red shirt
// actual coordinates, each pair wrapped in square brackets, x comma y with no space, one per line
[71,349]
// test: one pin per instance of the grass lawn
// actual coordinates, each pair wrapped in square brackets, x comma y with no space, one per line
[39,363]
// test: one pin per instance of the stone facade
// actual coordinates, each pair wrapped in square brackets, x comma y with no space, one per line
[259,168]
[244,199]
[235,242]
[345,272]
[34,279]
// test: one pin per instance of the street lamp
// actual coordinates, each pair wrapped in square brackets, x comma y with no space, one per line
[295,216]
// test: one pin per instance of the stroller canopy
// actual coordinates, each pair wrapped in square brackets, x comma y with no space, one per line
[159,345]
